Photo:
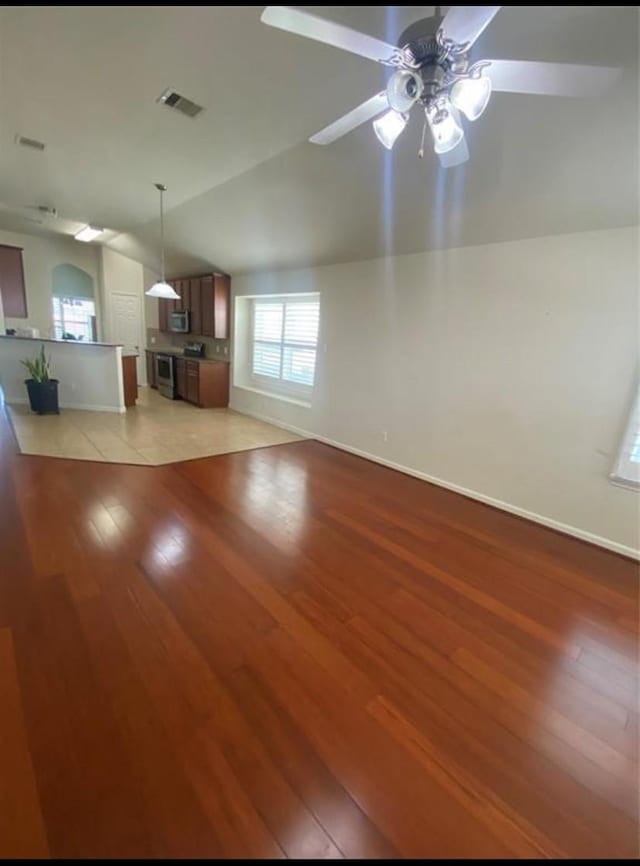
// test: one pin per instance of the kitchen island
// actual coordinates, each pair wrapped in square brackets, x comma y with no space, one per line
[90,374]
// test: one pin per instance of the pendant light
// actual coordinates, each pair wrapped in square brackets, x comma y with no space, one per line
[162,289]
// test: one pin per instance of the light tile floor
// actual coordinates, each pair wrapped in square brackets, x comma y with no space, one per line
[154,432]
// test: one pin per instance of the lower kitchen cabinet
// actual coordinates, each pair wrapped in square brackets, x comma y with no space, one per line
[207,384]
[204,383]
[130,379]
[181,378]
[193,382]
[151,369]
[213,385]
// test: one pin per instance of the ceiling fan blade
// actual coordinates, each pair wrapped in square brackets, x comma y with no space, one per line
[366,111]
[313,27]
[465,24]
[550,79]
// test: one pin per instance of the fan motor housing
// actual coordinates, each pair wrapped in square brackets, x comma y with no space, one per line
[420,41]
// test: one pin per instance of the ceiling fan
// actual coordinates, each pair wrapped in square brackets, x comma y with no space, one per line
[433,69]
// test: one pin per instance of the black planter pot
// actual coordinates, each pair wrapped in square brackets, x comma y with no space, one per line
[43,396]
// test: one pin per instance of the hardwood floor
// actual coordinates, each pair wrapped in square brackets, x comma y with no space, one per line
[293,652]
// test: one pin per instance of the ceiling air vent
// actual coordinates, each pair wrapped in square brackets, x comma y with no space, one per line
[29,142]
[174,100]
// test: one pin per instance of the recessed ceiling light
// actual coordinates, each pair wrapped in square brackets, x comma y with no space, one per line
[88,233]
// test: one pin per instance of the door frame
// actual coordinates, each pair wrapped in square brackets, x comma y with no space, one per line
[141,364]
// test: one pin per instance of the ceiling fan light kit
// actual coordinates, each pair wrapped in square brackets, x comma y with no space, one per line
[389,127]
[433,68]
[471,95]
[446,131]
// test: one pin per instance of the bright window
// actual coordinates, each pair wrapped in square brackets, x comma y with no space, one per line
[74,318]
[627,469]
[284,342]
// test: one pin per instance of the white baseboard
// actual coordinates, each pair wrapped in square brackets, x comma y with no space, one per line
[86,407]
[565,528]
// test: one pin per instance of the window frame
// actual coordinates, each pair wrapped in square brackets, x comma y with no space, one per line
[626,472]
[270,384]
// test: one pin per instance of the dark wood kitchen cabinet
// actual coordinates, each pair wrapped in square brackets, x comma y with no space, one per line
[207,299]
[181,378]
[193,382]
[183,289]
[206,305]
[151,369]
[195,308]
[14,298]
[213,385]
[130,380]
[221,306]
[202,382]
[163,315]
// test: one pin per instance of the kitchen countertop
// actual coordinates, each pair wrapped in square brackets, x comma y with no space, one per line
[65,342]
[172,350]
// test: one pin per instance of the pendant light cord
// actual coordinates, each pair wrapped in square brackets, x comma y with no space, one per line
[162,236]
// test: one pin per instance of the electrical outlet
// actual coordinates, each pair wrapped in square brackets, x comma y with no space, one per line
[153,340]
[226,350]
[385,436]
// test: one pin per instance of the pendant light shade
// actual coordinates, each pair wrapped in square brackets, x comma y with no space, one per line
[162,289]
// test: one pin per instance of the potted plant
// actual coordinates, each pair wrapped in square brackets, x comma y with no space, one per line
[43,391]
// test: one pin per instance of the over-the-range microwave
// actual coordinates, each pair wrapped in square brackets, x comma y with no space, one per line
[179,322]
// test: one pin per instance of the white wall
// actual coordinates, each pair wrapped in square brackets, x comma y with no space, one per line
[119,273]
[506,370]
[40,256]
[151,305]
[90,375]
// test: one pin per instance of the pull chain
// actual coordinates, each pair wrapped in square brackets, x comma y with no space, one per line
[424,132]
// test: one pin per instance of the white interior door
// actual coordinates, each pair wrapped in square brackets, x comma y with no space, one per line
[127,327]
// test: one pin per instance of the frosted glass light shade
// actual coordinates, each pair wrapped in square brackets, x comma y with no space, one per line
[447,132]
[404,90]
[471,95]
[163,290]
[388,127]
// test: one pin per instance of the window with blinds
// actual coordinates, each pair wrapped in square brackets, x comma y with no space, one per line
[74,319]
[627,469]
[285,339]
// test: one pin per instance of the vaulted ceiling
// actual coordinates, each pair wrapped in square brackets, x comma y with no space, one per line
[246,188]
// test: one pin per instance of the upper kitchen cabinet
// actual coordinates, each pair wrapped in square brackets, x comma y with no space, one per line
[182,287]
[207,299]
[163,314]
[14,298]
[221,306]
[215,293]
[196,306]
[207,307]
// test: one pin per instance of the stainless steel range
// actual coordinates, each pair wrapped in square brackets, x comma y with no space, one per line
[166,375]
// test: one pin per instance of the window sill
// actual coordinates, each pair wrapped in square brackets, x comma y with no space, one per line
[627,483]
[275,396]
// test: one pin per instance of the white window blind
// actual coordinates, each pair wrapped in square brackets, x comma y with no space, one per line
[74,317]
[285,338]
[627,468]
